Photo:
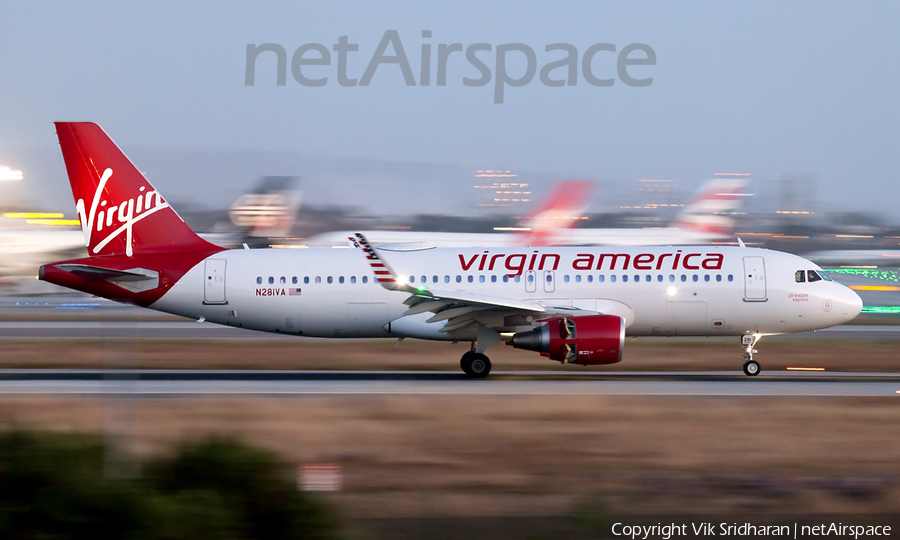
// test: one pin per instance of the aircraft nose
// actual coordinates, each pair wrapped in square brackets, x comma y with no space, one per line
[848,304]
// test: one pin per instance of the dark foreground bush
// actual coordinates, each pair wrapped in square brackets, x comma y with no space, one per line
[53,487]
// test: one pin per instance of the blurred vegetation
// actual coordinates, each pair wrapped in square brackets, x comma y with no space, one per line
[53,487]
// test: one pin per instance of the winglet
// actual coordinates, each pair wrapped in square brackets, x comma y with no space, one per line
[383,273]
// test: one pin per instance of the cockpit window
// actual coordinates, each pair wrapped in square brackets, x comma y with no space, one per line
[824,275]
[813,276]
[800,276]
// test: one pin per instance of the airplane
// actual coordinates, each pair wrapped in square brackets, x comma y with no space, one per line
[25,250]
[702,221]
[574,305]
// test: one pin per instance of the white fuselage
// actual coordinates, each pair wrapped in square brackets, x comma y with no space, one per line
[660,290]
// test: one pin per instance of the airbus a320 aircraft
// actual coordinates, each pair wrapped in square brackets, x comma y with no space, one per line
[571,304]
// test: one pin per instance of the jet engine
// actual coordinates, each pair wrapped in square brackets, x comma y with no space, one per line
[585,340]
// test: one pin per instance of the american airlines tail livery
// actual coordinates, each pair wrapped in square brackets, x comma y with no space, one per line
[572,304]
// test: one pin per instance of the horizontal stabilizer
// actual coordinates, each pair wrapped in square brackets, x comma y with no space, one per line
[133,279]
[86,271]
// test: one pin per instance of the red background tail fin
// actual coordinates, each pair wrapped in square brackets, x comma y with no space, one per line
[120,212]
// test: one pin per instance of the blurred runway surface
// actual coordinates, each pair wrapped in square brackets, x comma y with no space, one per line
[186,329]
[162,382]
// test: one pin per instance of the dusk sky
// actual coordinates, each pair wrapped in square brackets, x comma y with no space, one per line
[758,87]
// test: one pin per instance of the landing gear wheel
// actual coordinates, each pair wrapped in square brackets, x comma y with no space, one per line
[751,368]
[475,365]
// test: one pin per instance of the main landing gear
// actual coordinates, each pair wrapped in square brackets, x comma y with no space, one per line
[475,364]
[751,366]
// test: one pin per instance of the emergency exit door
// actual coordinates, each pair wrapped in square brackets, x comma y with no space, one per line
[754,279]
[549,281]
[530,281]
[214,282]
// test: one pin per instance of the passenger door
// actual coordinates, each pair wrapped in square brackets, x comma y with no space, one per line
[214,282]
[754,279]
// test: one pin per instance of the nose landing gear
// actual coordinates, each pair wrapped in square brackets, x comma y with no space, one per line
[751,366]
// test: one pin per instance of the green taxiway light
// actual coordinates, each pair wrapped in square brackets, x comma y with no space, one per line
[882,309]
[871,273]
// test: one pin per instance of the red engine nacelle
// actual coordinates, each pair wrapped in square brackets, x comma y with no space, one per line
[587,340]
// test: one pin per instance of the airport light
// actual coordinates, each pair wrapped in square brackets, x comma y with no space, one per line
[53,222]
[32,215]
[7,174]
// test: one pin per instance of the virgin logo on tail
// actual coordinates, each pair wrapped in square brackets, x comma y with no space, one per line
[121,218]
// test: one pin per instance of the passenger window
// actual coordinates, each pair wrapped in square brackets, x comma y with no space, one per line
[318,280]
[259,280]
[341,279]
[637,278]
[659,278]
[518,279]
[612,278]
[434,279]
[683,278]
[493,279]
[412,279]
[601,278]
[471,279]
[718,277]
[283,280]
[696,277]
[625,278]
[530,278]
[566,278]
[306,280]
[799,276]
[649,277]
[271,280]
[706,277]
[481,278]
[294,280]
[730,277]
[424,279]
[365,279]
[671,278]
[352,279]
[330,280]
[590,278]
[458,278]
[578,278]
[505,278]
[813,276]
[446,279]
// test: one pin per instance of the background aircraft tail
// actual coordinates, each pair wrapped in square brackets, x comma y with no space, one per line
[120,212]
[708,211]
[560,210]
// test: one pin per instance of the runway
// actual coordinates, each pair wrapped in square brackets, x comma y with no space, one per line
[150,383]
[186,329]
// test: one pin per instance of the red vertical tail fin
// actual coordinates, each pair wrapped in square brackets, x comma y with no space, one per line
[120,212]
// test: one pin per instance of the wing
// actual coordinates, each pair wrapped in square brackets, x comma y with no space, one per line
[461,309]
